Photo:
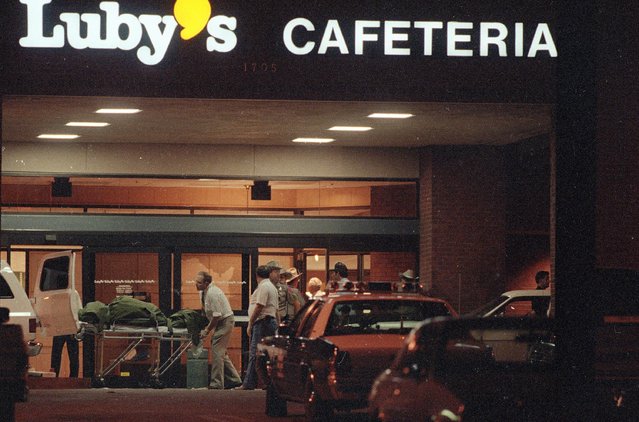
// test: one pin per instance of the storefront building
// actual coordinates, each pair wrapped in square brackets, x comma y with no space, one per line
[462,189]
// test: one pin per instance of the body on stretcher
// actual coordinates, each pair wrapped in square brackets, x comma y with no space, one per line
[134,336]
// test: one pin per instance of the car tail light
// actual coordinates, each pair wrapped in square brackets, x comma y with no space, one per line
[32,325]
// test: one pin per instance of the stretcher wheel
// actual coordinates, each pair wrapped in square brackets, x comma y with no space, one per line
[156,383]
[98,382]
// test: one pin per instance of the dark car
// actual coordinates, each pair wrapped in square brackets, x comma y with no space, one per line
[329,355]
[448,370]
[13,366]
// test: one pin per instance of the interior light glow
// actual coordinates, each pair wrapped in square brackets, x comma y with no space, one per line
[390,115]
[57,136]
[316,258]
[88,124]
[313,140]
[118,110]
[351,128]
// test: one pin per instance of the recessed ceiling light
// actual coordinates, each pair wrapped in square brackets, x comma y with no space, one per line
[118,110]
[88,124]
[57,136]
[313,140]
[351,128]
[390,115]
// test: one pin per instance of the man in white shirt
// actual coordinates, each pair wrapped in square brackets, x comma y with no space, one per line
[263,319]
[221,322]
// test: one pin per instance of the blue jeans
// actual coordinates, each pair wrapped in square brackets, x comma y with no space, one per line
[261,329]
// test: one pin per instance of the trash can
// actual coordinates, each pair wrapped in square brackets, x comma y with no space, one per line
[197,368]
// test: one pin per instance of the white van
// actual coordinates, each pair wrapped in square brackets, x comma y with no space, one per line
[55,304]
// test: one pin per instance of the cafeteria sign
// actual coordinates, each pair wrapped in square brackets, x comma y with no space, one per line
[113,30]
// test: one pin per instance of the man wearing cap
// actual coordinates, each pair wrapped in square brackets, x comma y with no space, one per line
[408,282]
[221,322]
[294,298]
[263,320]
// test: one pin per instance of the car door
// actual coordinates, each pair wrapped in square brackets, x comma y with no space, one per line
[299,349]
[56,302]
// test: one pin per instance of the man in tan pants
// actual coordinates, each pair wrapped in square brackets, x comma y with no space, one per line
[221,322]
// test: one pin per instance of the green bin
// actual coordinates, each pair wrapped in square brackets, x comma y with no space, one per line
[197,369]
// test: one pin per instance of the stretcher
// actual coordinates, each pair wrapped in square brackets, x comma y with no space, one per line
[134,337]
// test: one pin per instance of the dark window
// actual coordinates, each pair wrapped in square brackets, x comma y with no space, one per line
[5,290]
[381,316]
[55,274]
[310,321]
[300,316]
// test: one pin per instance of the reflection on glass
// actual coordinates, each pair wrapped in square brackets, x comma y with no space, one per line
[226,270]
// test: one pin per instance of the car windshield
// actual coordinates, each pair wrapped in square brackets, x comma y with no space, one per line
[381,316]
[484,309]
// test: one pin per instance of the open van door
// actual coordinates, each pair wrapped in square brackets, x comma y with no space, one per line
[56,302]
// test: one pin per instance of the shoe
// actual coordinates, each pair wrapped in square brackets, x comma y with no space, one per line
[210,387]
[241,387]
[232,386]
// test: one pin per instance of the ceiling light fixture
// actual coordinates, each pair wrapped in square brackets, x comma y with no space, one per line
[118,110]
[351,128]
[313,140]
[57,136]
[88,124]
[390,115]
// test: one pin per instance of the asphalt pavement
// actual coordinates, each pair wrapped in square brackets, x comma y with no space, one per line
[154,405]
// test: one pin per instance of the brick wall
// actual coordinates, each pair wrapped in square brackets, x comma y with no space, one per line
[394,201]
[617,203]
[463,219]
[388,265]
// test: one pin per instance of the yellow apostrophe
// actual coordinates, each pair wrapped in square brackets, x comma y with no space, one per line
[192,15]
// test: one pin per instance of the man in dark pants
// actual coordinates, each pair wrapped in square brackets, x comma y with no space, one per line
[263,318]
[540,304]
[72,351]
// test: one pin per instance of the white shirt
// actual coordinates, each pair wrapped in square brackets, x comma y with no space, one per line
[215,303]
[341,283]
[265,295]
[318,293]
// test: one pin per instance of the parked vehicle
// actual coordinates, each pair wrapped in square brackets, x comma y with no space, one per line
[13,366]
[15,299]
[329,355]
[515,303]
[447,371]
[54,306]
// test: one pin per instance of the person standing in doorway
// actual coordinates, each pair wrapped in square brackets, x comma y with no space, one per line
[221,322]
[340,281]
[540,304]
[314,288]
[263,318]
[72,351]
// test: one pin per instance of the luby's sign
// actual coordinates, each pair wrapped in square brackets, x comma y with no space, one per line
[84,30]
[151,35]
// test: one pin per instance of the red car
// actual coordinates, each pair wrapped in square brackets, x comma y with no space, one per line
[329,355]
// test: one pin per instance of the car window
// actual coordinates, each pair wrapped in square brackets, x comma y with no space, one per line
[413,359]
[55,274]
[381,316]
[310,321]
[483,310]
[5,290]
[521,307]
[301,316]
